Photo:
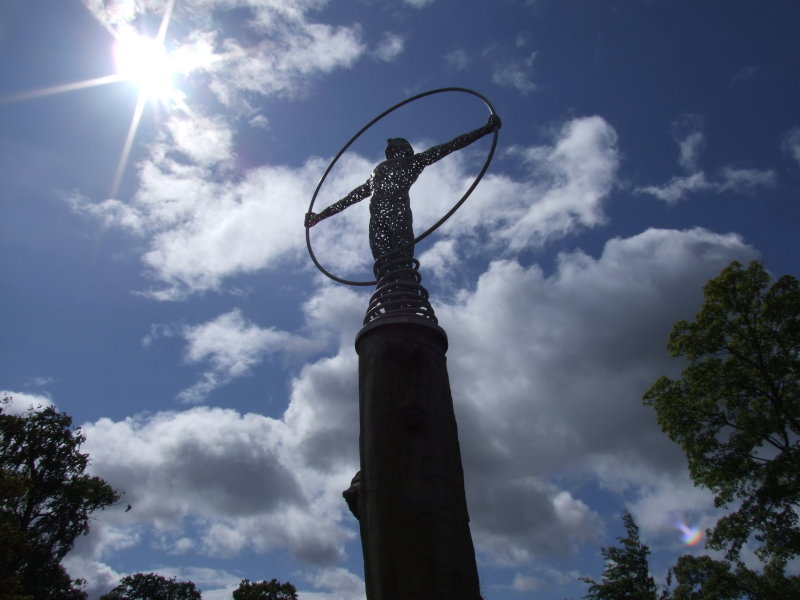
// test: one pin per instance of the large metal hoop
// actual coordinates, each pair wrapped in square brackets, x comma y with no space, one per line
[438,223]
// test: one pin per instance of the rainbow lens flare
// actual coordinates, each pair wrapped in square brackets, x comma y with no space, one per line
[691,536]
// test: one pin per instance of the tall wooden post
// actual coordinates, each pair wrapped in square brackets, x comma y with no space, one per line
[411,502]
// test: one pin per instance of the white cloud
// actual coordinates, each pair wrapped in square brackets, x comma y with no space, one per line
[418,3]
[202,225]
[21,402]
[730,179]
[687,131]
[690,148]
[207,141]
[287,50]
[745,180]
[516,73]
[340,583]
[232,346]
[678,187]
[228,473]
[201,229]
[528,424]
[791,144]
[217,482]
[390,47]
[518,344]
[441,259]
[567,184]
[283,64]
[99,577]
[526,583]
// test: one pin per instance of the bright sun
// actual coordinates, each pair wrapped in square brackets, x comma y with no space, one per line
[145,62]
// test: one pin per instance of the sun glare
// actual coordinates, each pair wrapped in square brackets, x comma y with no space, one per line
[145,62]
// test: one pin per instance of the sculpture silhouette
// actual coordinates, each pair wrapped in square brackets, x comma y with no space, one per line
[391,232]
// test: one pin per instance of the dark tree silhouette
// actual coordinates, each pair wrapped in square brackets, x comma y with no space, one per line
[265,590]
[46,499]
[626,574]
[150,586]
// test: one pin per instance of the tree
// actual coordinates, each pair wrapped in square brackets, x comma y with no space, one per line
[265,590]
[735,410]
[626,574]
[46,499]
[703,578]
[150,586]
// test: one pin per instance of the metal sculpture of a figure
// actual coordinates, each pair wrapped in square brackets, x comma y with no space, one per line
[391,233]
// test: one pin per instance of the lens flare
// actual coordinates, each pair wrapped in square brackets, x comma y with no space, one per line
[691,535]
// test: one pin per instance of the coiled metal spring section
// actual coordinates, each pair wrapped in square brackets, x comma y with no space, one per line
[399,291]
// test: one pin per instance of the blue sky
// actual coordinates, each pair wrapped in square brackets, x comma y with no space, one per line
[156,284]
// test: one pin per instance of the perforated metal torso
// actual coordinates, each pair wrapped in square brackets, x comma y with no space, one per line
[391,220]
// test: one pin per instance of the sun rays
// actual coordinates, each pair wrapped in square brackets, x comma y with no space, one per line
[143,61]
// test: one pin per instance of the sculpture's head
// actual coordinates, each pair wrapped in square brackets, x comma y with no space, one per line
[397,147]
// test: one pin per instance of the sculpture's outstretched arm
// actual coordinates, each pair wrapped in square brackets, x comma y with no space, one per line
[356,195]
[431,155]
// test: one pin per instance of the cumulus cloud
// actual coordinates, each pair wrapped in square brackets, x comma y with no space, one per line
[529,426]
[227,471]
[341,583]
[217,482]
[231,346]
[206,140]
[562,191]
[440,259]
[281,65]
[202,225]
[20,402]
[99,577]
[525,417]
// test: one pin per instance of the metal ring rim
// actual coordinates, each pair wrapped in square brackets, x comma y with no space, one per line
[438,223]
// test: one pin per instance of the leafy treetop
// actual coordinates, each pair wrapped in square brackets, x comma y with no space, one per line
[151,586]
[626,574]
[735,410]
[265,590]
[46,499]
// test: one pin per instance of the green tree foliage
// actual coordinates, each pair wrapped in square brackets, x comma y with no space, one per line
[735,409]
[265,590]
[46,499]
[626,574]
[703,578]
[150,586]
